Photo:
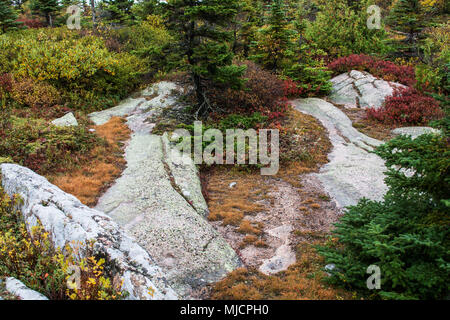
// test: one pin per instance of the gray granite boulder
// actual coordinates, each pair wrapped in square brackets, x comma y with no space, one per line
[356,89]
[69,221]
[18,289]
[68,120]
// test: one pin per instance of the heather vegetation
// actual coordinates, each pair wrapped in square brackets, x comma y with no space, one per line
[240,63]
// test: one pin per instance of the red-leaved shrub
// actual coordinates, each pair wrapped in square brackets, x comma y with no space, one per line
[386,70]
[262,93]
[31,23]
[407,106]
[291,89]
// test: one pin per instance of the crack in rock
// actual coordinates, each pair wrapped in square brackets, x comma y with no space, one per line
[165,209]
[356,89]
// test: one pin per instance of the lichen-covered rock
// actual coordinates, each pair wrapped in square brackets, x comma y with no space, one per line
[151,100]
[356,89]
[68,120]
[68,221]
[414,132]
[353,171]
[158,199]
[146,203]
[185,176]
[18,289]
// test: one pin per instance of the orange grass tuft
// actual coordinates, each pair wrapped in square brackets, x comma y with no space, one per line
[302,281]
[100,169]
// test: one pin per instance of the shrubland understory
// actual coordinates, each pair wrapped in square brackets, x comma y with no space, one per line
[240,63]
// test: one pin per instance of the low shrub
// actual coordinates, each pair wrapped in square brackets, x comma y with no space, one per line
[386,70]
[43,147]
[262,92]
[31,23]
[233,121]
[407,234]
[77,64]
[407,106]
[34,94]
[48,270]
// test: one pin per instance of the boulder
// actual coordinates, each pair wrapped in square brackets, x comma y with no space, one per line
[69,221]
[356,89]
[414,132]
[18,289]
[68,120]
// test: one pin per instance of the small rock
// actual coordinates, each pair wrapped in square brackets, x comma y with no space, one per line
[186,194]
[414,132]
[92,130]
[232,185]
[17,288]
[68,120]
[330,268]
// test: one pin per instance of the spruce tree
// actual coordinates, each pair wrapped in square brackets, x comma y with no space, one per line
[46,8]
[200,26]
[408,16]
[117,11]
[276,38]
[8,16]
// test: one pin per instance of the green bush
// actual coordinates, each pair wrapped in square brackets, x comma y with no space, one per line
[309,70]
[340,29]
[78,65]
[406,234]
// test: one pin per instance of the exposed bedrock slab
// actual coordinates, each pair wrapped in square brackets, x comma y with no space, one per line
[159,201]
[151,100]
[353,171]
[70,222]
[356,89]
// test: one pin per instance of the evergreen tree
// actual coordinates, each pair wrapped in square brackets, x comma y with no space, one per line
[117,11]
[8,16]
[341,30]
[145,8]
[246,24]
[276,38]
[407,16]
[46,8]
[200,26]
[406,235]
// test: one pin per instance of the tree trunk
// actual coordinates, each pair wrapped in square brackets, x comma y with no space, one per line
[93,12]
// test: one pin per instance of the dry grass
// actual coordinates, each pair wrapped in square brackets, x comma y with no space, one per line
[371,128]
[247,227]
[250,195]
[304,146]
[302,281]
[232,204]
[97,172]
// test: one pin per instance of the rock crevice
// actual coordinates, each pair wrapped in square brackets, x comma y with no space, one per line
[158,199]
